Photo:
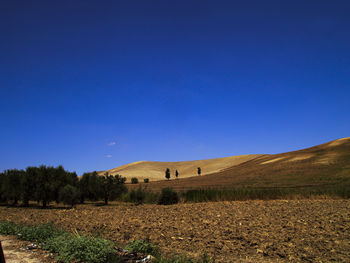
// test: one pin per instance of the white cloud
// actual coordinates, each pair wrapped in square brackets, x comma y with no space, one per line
[109,155]
[111,143]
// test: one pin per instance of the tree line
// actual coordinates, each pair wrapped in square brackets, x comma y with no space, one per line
[45,184]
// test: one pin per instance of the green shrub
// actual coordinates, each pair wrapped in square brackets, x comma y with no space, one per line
[168,197]
[149,197]
[8,228]
[134,180]
[54,244]
[146,180]
[143,246]
[84,249]
[38,233]
[137,196]
[32,233]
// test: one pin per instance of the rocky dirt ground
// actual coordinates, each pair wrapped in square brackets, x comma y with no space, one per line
[16,251]
[250,231]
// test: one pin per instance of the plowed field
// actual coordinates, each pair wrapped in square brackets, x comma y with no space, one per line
[251,231]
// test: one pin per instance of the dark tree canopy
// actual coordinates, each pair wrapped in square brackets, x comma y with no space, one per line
[11,185]
[167,173]
[89,186]
[112,186]
[69,195]
[41,184]
[46,184]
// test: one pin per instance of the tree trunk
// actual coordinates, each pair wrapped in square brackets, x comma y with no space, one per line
[44,203]
[15,201]
[26,203]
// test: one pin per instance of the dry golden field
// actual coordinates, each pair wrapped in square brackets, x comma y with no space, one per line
[325,165]
[155,170]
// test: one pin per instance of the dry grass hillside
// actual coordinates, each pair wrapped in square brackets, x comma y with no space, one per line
[156,170]
[323,165]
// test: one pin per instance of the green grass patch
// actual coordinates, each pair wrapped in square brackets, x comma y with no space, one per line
[68,247]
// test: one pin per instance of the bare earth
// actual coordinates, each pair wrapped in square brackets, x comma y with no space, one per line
[250,231]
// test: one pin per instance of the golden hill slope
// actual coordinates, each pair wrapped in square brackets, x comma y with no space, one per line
[156,170]
[325,164]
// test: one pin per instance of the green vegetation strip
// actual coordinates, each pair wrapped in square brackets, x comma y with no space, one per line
[73,247]
[69,247]
[242,194]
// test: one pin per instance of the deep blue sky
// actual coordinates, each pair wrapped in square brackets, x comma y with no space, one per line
[169,80]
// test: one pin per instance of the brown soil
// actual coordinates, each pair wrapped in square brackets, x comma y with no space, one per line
[16,251]
[251,231]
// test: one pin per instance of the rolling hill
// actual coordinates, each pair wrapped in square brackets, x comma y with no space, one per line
[155,171]
[319,166]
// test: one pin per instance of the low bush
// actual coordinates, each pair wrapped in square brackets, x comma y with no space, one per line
[8,228]
[84,249]
[33,233]
[54,244]
[146,180]
[134,180]
[137,196]
[39,234]
[148,197]
[143,246]
[168,197]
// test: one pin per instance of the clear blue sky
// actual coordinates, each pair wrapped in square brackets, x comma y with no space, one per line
[96,84]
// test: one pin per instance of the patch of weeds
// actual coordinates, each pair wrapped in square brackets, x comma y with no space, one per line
[38,233]
[8,228]
[69,247]
[137,196]
[168,197]
[143,246]
[84,249]
[54,244]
